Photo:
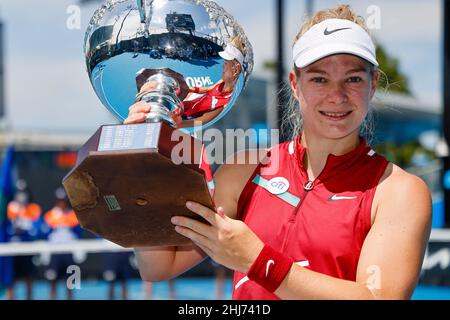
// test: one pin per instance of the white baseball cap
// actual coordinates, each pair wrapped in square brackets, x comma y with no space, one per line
[333,36]
[231,53]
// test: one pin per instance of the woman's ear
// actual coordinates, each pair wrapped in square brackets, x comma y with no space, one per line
[293,83]
[375,80]
[237,70]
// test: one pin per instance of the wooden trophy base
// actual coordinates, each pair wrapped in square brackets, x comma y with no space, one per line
[125,187]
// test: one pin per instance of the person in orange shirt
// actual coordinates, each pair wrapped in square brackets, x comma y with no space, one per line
[23,216]
[63,227]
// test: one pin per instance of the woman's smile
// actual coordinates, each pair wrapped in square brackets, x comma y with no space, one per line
[335,116]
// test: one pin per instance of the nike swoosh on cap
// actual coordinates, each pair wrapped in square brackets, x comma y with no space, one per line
[338,198]
[327,33]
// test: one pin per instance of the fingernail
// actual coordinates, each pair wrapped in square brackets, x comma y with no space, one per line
[174,220]
[189,205]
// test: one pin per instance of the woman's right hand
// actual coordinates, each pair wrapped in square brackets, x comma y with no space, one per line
[138,113]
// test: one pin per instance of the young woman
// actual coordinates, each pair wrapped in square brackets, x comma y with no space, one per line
[218,96]
[325,217]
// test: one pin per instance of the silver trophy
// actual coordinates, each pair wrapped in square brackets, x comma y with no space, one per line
[189,60]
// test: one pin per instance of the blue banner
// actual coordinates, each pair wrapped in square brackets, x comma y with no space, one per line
[6,194]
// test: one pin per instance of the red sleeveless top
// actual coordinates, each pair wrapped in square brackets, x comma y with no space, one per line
[321,224]
[214,99]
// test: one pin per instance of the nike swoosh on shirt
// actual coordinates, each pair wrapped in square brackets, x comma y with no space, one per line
[327,33]
[338,198]
[241,282]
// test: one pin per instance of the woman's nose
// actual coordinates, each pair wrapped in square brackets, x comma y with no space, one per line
[337,94]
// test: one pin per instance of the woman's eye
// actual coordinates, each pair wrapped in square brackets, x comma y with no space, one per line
[354,79]
[318,80]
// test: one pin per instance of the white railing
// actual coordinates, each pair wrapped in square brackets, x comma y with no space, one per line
[97,246]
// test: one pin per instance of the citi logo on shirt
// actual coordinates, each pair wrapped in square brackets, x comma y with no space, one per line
[278,185]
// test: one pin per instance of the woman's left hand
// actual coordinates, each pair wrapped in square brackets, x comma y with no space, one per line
[228,242]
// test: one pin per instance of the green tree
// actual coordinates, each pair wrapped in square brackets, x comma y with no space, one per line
[393,79]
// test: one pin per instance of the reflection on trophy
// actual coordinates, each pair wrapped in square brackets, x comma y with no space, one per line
[189,61]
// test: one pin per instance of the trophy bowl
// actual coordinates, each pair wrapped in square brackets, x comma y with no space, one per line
[186,36]
[189,60]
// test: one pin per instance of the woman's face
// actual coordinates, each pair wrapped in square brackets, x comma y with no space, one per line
[231,70]
[334,94]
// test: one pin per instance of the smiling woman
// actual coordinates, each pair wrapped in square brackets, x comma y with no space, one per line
[343,80]
[323,216]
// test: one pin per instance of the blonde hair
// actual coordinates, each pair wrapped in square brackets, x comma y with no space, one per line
[238,43]
[342,11]
[292,121]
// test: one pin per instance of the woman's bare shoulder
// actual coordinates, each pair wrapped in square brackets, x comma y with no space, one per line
[400,189]
[239,167]
[232,176]
[395,177]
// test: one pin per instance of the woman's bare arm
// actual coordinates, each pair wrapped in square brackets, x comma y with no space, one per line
[163,263]
[392,254]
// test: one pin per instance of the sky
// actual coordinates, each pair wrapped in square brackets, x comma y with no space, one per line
[48,89]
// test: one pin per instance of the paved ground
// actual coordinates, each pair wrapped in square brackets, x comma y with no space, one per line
[186,289]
